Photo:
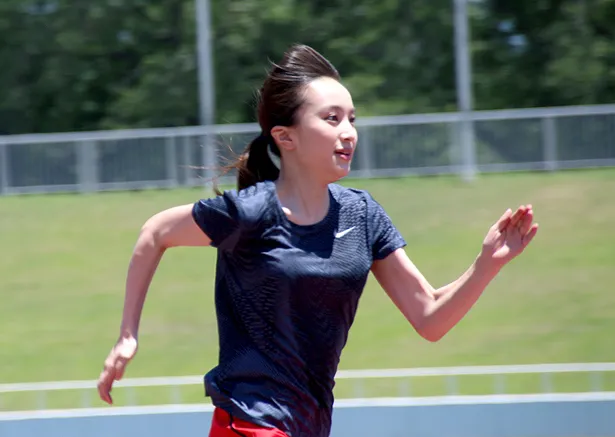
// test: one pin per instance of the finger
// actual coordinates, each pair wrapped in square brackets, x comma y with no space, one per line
[106,377]
[519,213]
[120,368]
[504,220]
[527,238]
[104,385]
[526,222]
[104,395]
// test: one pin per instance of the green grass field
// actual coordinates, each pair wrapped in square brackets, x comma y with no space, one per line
[65,259]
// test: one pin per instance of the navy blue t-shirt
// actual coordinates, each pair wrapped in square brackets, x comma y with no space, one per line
[286,296]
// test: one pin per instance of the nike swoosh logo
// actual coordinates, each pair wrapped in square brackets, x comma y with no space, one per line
[342,233]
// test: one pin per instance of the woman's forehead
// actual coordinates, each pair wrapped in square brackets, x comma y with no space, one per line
[327,92]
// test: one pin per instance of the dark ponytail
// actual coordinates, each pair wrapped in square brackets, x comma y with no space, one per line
[278,101]
[257,165]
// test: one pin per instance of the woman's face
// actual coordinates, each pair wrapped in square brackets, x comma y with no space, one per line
[324,137]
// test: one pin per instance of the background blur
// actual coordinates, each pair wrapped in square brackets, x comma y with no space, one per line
[465,108]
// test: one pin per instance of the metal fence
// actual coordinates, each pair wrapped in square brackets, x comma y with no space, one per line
[587,378]
[463,143]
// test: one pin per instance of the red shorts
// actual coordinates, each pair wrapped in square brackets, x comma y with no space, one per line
[224,425]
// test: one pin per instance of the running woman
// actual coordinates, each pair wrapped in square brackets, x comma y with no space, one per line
[294,252]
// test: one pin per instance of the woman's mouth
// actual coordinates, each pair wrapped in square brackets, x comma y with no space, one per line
[345,155]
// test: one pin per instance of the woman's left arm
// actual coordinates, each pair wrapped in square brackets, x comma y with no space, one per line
[434,312]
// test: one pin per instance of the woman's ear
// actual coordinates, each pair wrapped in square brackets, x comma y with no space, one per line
[283,138]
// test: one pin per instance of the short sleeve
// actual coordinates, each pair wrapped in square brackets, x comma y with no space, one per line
[385,238]
[220,219]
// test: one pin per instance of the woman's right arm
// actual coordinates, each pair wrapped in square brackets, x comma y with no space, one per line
[170,228]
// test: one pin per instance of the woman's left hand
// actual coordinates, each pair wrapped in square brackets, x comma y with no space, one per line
[510,235]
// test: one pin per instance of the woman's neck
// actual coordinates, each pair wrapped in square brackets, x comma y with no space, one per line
[305,201]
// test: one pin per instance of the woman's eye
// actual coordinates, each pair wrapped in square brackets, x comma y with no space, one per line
[331,118]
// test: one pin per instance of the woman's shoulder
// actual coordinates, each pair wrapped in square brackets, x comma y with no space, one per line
[350,194]
[257,194]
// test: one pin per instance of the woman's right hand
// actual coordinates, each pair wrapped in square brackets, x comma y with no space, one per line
[115,365]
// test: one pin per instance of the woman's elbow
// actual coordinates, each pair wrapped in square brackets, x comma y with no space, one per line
[428,331]
[432,336]
[422,319]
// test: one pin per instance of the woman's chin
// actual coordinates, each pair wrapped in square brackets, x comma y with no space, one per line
[341,170]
